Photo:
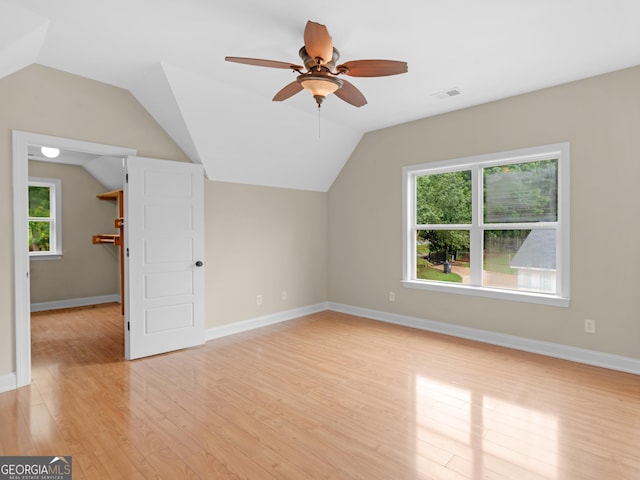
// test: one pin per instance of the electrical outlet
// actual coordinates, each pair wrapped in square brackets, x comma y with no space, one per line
[259,300]
[284,295]
[392,296]
[589,326]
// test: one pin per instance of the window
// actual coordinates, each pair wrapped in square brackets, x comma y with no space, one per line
[45,231]
[494,225]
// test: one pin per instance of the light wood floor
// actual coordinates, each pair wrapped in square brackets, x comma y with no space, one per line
[325,396]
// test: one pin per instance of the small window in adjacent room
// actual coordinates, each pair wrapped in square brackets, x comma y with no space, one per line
[45,229]
[494,225]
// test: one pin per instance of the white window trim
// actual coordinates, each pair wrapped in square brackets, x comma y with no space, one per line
[561,151]
[55,241]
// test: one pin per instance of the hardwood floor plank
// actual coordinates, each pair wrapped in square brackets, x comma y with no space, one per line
[209,466]
[325,396]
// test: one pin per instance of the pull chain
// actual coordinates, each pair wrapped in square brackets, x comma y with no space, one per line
[318,121]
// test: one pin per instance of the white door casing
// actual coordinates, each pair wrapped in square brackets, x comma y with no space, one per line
[21,141]
[164,267]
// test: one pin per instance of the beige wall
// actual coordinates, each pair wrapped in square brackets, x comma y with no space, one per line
[601,118]
[42,100]
[345,246]
[259,240]
[85,270]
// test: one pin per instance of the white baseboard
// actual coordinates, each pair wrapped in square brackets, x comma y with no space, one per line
[565,352]
[259,322]
[8,381]
[74,302]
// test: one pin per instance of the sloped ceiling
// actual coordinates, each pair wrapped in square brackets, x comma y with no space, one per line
[170,55]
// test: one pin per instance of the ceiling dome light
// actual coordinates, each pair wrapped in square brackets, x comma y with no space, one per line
[319,85]
[50,152]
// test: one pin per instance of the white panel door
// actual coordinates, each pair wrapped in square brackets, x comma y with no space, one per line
[164,241]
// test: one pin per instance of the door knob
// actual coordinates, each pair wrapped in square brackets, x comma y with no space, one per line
[199,263]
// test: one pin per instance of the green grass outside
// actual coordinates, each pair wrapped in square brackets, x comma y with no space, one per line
[427,272]
[499,263]
[493,263]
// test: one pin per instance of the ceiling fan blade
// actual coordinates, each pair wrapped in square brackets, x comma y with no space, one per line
[317,42]
[350,94]
[288,91]
[264,63]
[373,68]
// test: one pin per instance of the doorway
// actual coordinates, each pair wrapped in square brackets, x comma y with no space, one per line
[22,299]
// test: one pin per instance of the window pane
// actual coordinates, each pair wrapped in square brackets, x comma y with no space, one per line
[444,198]
[443,255]
[39,234]
[39,202]
[521,192]
[520,259]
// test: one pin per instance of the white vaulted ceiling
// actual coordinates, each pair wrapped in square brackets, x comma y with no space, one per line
[170,55]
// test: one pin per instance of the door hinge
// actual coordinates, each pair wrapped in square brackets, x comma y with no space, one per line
[128,326]
[127,251]
[126,177]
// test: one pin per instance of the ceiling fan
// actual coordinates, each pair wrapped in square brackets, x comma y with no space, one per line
[321,76]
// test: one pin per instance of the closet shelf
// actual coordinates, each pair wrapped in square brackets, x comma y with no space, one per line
[113,195]
[113,238]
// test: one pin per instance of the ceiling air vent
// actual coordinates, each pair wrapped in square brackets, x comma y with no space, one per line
[450,92]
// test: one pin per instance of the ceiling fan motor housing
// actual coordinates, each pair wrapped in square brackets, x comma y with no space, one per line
[312,63]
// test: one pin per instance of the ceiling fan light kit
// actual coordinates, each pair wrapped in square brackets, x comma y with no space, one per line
[319,86]
[320,79]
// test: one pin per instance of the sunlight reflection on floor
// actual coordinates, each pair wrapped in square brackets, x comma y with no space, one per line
[490,437]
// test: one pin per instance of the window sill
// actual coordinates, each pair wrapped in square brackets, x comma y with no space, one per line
[45,256]
[494,293]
